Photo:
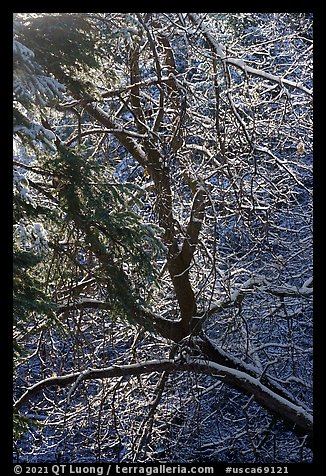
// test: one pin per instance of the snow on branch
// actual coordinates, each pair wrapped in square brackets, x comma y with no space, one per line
[144,83]
[282,163]
[120,130]
[83,303]
[260,282]
[237,379]
[221,52]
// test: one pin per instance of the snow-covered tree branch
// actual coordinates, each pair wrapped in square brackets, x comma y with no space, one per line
[296,415]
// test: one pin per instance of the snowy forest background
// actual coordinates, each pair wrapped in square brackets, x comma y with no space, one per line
[163,237]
